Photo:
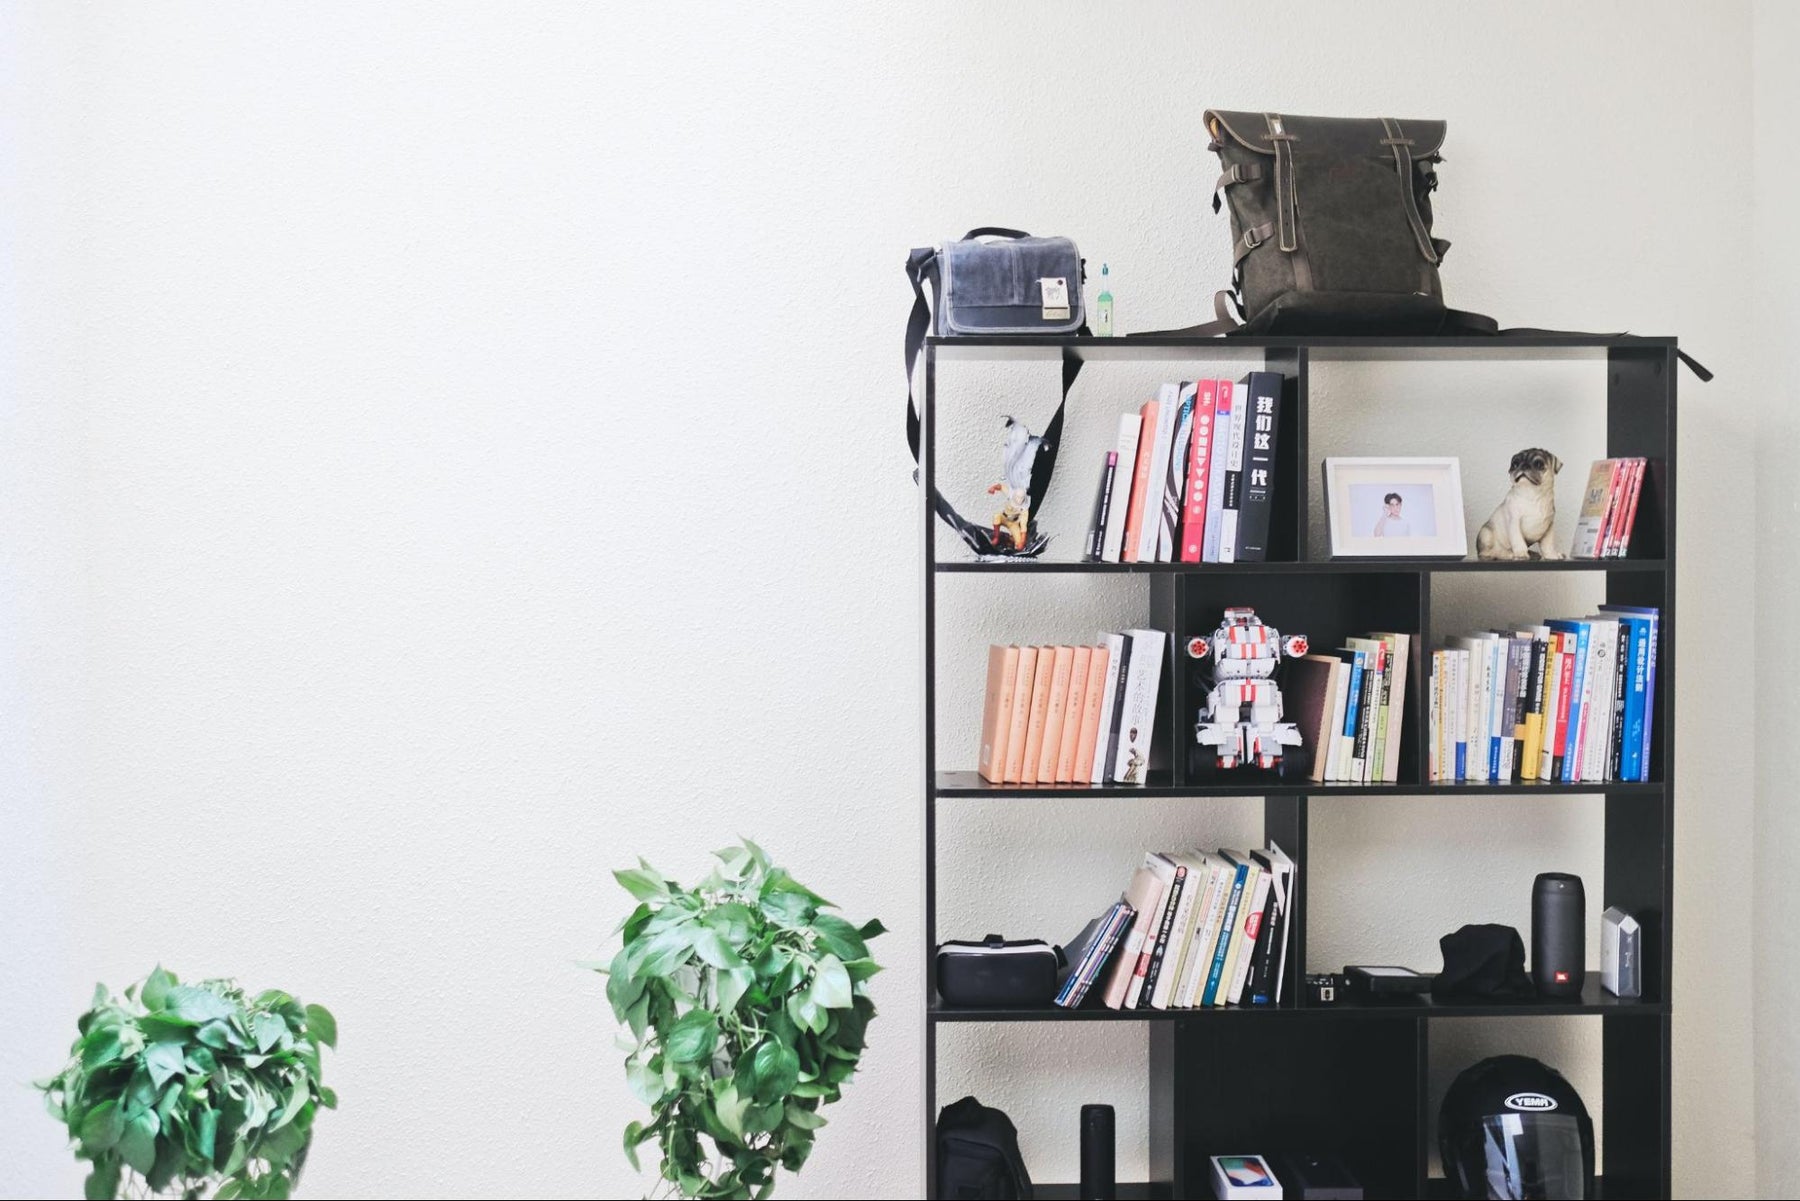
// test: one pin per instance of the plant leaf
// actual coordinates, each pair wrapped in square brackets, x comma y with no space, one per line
[102,1127]
[156,988]
[195,1005]
[691,1039]
[163,1060]
[642,884]
[634,1134]
[871,928]
[103,1181]
[267,1030]
[806,1119]
[321,1025]
[712,948]
[137,1145]
[830,984]
[840,937]
[775,1069]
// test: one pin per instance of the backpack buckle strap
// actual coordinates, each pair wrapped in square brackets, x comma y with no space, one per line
[1398,142]
[1253,237]
[1237,173]
[1286,210]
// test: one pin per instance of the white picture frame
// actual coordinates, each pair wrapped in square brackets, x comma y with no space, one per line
[1395,508]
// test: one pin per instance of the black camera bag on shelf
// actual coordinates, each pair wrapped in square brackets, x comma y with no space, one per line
[1331,226]
[978,1155]
[1008,286]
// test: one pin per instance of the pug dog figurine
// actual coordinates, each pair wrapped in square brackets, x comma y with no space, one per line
[1526,517]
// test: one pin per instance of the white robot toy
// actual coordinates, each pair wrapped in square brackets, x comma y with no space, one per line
[1242,714]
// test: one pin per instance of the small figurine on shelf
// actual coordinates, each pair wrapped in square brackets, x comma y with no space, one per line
[1241,716]
[1524,525]
[1013,532]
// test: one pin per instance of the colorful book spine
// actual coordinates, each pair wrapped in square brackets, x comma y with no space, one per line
[1160,950]
[1221,951]
[1068,746]
[1641,468]
[1175,476]
[1023,684]
[1193,519]
[1137,720]
[1140,483]
[1223,421]
[1104,733]
[996,718]
[1231,508]
[1168,404]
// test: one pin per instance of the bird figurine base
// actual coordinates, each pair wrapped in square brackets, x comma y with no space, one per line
[1241,716]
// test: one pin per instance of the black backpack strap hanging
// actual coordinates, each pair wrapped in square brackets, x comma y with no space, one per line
[922,268]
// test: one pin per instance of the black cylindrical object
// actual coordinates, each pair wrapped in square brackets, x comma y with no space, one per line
[1097,1183]
[1558,934]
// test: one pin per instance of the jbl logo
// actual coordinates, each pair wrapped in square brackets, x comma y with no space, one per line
[1562,977]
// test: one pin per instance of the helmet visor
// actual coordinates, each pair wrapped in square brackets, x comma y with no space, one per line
[1533,1156]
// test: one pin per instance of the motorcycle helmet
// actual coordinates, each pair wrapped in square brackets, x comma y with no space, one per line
[1514,1129]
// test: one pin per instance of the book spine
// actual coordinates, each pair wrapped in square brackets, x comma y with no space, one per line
[1365,715]
[1061,665]
[1040,709]
[1552,694]
[1164,871]
[1222,950]
[1159,952]
[1631,505]
[1137,722]
[1093,700]
[1140,483]
[1221,451]
[1609,520]
[1565,705]
[1518,679]
[1353,707]
[1175,476]
[1457,695]
[1650,697]
[1499,726]
[1121,690]
[1103,734]
[1074,708]
[1578,698]
[1248,931]
[1193,520]
[1096,543]
[1593,510]
[1231,512]
[1003,670]
[1124,475]
[1167,403]
[1596,706]
[1532,740]
[1615,748]
[1184,973]
[1384,680]
[1023,684]
[1263,413]
[1434,745]
[1632,765]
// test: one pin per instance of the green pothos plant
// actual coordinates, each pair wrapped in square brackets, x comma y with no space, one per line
[177,1089]
[747,1012]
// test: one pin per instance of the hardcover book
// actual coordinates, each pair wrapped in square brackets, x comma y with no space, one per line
[1129,552]
[1175,476]
[1193,520]
[1021,715]
[1262,411]
[1221,449]
[996,719]
[1124,476]
[1067,748]
[1054,711]
[1137,718]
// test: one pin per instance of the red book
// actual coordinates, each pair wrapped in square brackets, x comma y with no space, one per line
[1635,489]
[1615,501]
[1563,688]
[1193,518]
[1140,484]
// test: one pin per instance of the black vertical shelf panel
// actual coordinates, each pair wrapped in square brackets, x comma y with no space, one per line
[1635,1116]
[1287,518]
[927,490]
[1284,824]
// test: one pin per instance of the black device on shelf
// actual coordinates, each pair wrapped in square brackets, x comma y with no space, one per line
[1348,1079]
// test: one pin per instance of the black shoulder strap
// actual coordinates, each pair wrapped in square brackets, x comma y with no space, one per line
[920,266]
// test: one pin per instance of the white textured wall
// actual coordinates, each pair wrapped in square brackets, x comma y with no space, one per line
[449,450]
[1777,704]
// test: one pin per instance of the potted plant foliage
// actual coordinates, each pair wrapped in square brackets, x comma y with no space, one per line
[193,1087]
[747,1011]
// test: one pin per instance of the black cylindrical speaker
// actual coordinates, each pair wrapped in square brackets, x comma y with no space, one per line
[1097,1153]
[1558,934]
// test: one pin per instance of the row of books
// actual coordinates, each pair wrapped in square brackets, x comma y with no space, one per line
[1072,714]
[1609,508]
[1193,477]
[1194,929]
[1350,707]
[1566,700]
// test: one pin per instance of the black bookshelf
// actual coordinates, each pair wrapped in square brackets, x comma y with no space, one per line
[1350,1078]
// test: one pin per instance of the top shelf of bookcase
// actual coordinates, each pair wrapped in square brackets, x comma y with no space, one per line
[1174,346]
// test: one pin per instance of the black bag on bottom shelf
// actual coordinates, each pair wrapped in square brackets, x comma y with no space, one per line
[978,1155]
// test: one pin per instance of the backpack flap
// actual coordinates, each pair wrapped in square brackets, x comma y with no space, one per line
[1015,286]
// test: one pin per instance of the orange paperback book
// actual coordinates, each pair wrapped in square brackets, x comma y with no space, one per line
[1062,665]
[1091,699]
[1021,714]
[1040,707]
[1068,748]
[996,714]
[1140,484]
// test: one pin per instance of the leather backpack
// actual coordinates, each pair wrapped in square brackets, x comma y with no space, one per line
[978,1155]
[1331,225]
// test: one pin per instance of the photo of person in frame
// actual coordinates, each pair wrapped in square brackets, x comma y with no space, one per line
[1394,510]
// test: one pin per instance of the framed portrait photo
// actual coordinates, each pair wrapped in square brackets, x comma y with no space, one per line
[1379,508]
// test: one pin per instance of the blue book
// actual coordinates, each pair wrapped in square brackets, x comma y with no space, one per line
[1571,764]
[1653,620]
[1352,710]
[1226,928]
